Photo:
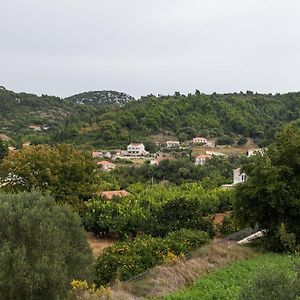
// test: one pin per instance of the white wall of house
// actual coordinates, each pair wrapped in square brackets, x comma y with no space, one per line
[199,140]
[239,177]
[134,149]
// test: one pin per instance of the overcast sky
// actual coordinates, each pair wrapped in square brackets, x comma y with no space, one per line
[63,47]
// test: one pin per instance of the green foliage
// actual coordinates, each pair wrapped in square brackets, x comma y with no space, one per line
[126,259]
[273,284]
[110,120]
[242,141]
[225,140]
[3,149]
[270,196]
[228,226]
[213,173]
[42,248]
[156,210]
[68,174]
[181,213]
[226,283]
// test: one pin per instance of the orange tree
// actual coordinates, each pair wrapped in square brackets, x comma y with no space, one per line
[67,173]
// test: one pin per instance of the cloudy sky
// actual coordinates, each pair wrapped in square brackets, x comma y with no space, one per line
[62,47]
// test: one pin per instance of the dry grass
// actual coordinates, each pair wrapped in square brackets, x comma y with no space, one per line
[168,278]
[98,244]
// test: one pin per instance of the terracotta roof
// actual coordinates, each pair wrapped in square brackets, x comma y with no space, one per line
[110,194]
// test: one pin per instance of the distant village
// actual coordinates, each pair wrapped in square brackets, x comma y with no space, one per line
[106,160]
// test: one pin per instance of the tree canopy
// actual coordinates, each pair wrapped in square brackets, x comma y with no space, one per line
[67,173]
[42,248]
[271,195]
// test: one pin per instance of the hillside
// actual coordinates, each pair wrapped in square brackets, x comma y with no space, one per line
[101,98]
[110,119]
[255,116]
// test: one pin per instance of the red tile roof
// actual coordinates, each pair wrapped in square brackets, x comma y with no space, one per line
[110,194]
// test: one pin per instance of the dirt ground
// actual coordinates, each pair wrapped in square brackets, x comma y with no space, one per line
[98,244]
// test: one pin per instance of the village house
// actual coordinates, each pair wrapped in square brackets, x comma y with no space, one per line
[252,152]
[199,140]
[35,127]
[136,149]
[106,165]
[238,178]
[201,159]
[173,144]
[110,194]
[97,154]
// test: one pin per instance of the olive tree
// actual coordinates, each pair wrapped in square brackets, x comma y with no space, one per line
[42,247]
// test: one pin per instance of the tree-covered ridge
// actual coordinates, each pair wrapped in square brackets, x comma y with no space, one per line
[101,98]
[257,116]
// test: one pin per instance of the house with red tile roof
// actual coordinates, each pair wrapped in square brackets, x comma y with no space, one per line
[110,194]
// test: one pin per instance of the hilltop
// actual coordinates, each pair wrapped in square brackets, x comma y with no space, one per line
[101,98]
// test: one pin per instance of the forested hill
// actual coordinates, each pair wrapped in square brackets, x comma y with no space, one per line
[240,114]
[251,115]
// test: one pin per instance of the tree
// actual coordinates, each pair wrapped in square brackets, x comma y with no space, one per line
[271,195]
[42,248]
[68,174]
[3,149]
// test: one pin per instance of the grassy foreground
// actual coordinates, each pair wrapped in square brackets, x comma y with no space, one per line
[227,282]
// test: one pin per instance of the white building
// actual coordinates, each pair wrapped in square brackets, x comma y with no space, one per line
[173,144]
[136,149]
[97,154]
[199,140]
[238,177]
[252,152]
[201,159]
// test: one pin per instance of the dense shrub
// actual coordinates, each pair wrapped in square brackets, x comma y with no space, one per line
[228,226]
[272,284]
[182,213]
[42,248]
[126,259]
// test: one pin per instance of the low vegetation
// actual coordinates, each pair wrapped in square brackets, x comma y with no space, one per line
[127,259]
[236,281]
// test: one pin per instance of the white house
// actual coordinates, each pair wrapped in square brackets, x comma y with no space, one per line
[252,152]
[238,177]
[97,154]
[199,140]
[136,149]
[173,144]
[201,159]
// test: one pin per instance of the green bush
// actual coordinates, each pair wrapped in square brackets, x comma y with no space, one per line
[273,284]
[185,240]
[183,213]
[43,247]
[228,226]
[126,259]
